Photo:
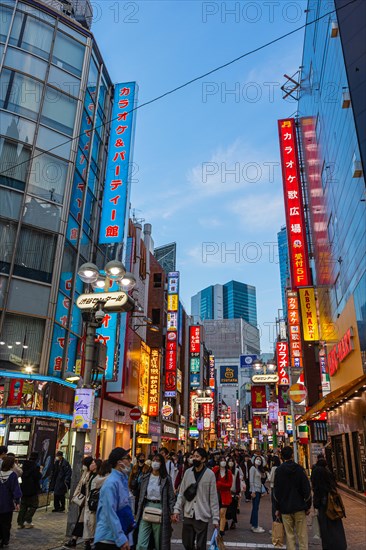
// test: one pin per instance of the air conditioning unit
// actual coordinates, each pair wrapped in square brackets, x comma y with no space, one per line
[346,100]
[334,29]
[356,168]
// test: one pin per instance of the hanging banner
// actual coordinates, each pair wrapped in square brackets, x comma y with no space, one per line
[310,328]
[283,398]
[294,209]
[83,409]
[273,412]
[211,372]
[259,400]
[257,423]
[116,190]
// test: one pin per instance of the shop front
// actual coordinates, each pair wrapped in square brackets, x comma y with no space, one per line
[170,435]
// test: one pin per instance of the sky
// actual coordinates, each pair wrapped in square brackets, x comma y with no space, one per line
[206,170]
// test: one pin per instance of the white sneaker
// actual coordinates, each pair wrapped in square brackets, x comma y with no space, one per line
[258,530]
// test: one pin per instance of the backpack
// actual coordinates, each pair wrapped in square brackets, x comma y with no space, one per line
[335,507]
[93,500]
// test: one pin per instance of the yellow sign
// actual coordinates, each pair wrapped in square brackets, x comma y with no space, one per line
[143,398]
[144,440]
[173,302]
[308,314]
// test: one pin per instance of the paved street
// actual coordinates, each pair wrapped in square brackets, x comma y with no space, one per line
[49,529]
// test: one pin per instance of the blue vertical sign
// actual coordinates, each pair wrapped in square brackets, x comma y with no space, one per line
[115,197]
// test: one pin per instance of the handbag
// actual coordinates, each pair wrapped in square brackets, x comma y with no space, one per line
[335,507]
[213,543]
[191,490]
[78,499]
[152,515]
[93,500]
[278,534]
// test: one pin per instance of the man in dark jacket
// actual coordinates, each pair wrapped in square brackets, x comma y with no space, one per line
[60,482]
[292,497]
[30,489]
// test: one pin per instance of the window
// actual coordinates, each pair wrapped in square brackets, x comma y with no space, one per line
[7,240]
[41,213]
[65,81]
[26,63]
[14,162]
[68,54]
[37,297]
[49,139]
[48,177]
[10,203]
[157,280]
[5,15]
[35,254]
[20,328]
[155,316]
[17,128]
[58,111]
[20,94]
[32,35]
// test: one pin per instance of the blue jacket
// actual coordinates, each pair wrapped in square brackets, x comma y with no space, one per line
[114,495]
[10,492]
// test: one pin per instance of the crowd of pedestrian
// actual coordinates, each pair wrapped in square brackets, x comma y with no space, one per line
[127,502]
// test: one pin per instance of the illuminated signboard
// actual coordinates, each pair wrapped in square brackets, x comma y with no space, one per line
[82,416]
[295,221]
[282,362]
[194,339]
[340,351]
[211,372]
[116,192]
[170,388]
[308,314]
[294,329]
[154,388]
[228,375]
[144,373]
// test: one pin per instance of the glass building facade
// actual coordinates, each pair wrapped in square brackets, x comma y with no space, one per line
[55,99]
[233,300]
[284,265]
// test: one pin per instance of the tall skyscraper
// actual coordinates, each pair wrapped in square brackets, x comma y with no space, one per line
[284,266]
[233,300]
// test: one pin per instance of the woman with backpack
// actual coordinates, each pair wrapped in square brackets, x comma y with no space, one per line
[10,495]
[96,481]
[324,487]
[224,481]
[155,507]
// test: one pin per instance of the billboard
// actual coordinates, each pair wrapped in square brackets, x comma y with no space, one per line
[170,388]
[247,360]
[115,196]
[308,315]
[229,375]
[194,339]
[294,209]
[294,329]
[259,398]
[282,363]
[44,443]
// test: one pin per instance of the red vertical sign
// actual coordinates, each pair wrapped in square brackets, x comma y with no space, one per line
[282,363]
[295,221]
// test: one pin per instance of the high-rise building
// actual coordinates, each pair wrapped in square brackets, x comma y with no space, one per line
[331,133]
[284,265]
[233,300]
[166,256]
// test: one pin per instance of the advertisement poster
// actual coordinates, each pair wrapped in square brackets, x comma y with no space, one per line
[44,443]
[228,375]
[83,409]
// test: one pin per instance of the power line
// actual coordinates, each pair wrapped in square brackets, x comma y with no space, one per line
[189,82]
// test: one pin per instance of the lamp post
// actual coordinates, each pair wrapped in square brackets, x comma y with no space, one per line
[94,306]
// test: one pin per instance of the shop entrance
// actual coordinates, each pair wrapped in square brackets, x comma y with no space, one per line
[339,458]
[356,452]
[349,461]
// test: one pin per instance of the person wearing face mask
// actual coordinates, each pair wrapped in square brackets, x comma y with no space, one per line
[187,463]
[89,528]
[224,481]
[80,499]
[156,492]
[203,507]
[134,480]
[255,480]
[236,487]
[115,521]
[60,482]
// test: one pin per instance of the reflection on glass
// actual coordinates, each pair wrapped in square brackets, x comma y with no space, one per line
[15,127]
[10,202]
[5,17]
[26,63]
[52,141]
[20,94]
[14,161]
[58,111]
[68,54]
[35,255]
[42,213]
[31,34]
[7,240]
[47,177]
[65,81]
[20,328]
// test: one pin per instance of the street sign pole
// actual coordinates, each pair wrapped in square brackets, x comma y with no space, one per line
[134,440]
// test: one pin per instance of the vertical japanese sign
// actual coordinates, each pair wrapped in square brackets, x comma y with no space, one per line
[171,346]
[308,314]
[143,396]
[194,356]
[211,372]
[295,221]
[283,363]
[116,192]
[294,329]
[154,402]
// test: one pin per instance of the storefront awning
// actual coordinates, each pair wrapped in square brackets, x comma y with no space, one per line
[331,400]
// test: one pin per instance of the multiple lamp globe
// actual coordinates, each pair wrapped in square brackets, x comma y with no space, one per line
[114,271]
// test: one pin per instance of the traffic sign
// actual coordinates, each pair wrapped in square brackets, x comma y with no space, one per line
[135,414]
[297,393]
